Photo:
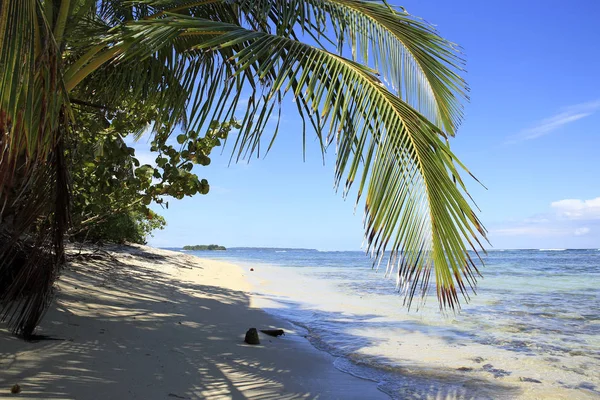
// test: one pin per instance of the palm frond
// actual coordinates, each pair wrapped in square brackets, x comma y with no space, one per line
[34,116]
[379,83]
[422,67]
[413,203]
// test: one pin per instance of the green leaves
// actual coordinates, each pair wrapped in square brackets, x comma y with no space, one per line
[173,171]
[112,189]
[389,107]
[378,83]
[395,146]
[33,104]
[204,187]
[144,172]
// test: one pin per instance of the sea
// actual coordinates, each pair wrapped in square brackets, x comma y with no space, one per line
[531,331]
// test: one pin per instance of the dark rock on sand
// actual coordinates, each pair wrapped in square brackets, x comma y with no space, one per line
[252,336]
[465,369]
[273,332]
[523,379]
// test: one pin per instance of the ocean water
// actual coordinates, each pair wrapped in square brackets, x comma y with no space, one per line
[532,330]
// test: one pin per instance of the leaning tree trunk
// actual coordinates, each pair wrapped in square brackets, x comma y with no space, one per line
[33,220]
[34,192]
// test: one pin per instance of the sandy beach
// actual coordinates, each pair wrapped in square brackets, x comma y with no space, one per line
[142,323]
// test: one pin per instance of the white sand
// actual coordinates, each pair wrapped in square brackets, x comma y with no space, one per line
[142,323]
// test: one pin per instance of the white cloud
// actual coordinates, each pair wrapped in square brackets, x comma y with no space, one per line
[569,218]
[578,209]
[551,124]
[541,231]
[566,116]
[531,231]
[590,106]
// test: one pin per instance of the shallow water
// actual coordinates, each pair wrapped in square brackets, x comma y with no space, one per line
[532,331]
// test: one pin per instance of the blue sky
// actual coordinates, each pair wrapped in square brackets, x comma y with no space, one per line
[531,135]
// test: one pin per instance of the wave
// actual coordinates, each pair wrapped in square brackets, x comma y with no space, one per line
[552,249]
[280,251]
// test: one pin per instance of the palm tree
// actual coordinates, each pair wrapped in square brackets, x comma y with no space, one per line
[378,83]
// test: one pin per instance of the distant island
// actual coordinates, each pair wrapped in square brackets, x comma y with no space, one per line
[204,247]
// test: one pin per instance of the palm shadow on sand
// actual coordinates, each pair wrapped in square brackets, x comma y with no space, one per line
[169,315]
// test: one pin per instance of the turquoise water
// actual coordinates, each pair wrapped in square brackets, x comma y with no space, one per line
[532,331]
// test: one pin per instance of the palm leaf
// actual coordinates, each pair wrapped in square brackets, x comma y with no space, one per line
[421,67]
[379,83]
[413,203]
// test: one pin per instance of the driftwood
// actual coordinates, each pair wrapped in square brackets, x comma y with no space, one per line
[273,332]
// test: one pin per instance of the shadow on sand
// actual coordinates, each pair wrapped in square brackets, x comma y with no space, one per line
[119,304]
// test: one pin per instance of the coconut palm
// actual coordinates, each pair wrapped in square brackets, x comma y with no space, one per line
[374,81]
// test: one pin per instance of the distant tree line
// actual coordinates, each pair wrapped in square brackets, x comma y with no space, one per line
[204,247]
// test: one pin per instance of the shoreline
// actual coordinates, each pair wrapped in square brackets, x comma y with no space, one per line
[138,322]
[489,351]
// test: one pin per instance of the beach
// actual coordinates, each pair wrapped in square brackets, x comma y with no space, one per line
[133,322]
[531,332]
[325,203]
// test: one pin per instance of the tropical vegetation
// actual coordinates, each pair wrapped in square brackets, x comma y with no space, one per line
[204,247]
[379,85]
